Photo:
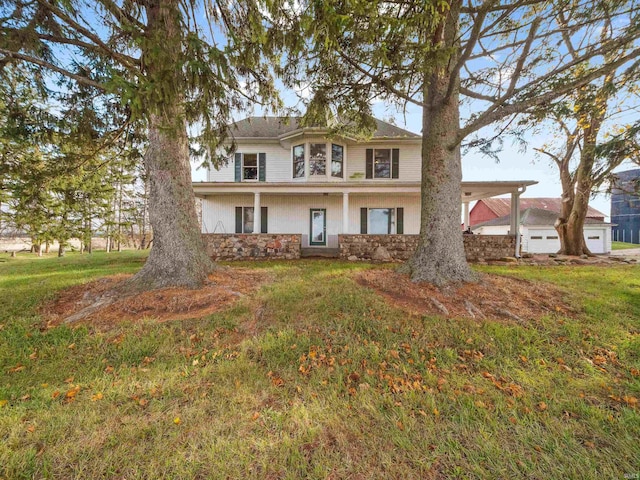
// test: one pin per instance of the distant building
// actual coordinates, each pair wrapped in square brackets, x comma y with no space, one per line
[625,207]
[489,208]
[540,236]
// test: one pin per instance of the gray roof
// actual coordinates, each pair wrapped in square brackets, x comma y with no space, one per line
[274,127]
[532,216]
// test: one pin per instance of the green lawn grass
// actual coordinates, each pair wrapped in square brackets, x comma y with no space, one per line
[333,383]
[623,245]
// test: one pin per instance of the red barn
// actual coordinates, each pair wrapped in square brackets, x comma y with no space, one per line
[490,208]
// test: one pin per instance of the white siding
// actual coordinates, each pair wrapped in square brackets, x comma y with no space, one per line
[290,213]
[409,164]
[280,165]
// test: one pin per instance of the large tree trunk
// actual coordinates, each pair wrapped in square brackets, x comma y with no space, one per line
[178,256]
[570,225]
[439,257]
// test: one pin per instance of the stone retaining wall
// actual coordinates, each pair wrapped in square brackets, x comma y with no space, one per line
[400,247]
[248,246]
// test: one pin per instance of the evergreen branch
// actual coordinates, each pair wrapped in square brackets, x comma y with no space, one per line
[36,61]
[124,59]
[121,15]
[81,44]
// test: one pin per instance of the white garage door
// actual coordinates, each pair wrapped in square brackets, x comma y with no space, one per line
[595,240]
[543,241]
[547,241]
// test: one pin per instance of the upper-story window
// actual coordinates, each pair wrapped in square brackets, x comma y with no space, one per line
[250,166]
[382,163]
[298,161]
[318,159]
[337,160]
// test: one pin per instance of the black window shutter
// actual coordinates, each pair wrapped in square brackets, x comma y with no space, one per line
[262,167]
[363,220]
[399,220]
[238,219]
[369,163]
[395,163]
[238,167]
[263,220]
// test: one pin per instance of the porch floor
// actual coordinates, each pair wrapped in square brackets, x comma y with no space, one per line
[319,252]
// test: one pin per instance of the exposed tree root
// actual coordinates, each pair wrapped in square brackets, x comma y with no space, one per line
[500,298]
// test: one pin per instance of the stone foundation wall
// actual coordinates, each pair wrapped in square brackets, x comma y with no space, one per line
[241,246]
[400,247]
[489,247]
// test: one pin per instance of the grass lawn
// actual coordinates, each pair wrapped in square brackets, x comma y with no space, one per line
[623,246]
[315,376]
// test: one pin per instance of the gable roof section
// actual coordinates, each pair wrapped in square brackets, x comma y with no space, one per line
[275,127]
[532,217]
[502,206]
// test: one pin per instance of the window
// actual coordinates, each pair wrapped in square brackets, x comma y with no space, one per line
[382,163]
[250,166]
[593,238]
[552,237]
[337,160]
[382,220]
[318,159]
[245,222]
[298,161]
[536,237]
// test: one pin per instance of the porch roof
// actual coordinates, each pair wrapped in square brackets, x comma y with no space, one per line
[469,191]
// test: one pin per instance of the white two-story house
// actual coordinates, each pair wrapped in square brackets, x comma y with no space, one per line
[284,179]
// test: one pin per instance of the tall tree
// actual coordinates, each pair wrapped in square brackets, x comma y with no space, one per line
[172,64]
[598,126]
[501,58]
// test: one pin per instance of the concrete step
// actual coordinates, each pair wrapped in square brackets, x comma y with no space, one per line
[320,252]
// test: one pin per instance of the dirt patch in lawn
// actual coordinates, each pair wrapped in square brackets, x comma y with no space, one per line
[494,296]
[227,285]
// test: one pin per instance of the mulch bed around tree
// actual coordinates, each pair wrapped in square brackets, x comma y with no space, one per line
[225,288]
[493,296]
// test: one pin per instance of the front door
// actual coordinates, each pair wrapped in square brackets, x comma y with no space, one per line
[318,233]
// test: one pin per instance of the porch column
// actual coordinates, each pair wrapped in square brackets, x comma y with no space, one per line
[466,215]
[256,213]
[345,212]
[515,220]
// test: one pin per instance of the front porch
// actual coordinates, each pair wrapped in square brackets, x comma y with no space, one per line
[321,212]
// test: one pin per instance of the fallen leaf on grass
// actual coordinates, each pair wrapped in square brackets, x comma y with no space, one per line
[3,403]
[255,416]
[55,394]
[71,393]
[31,429]
[542,406]
[18,368]
[400,425]
[96,397]
[177,421]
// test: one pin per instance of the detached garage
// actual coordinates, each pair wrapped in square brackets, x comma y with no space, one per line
[539,234]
